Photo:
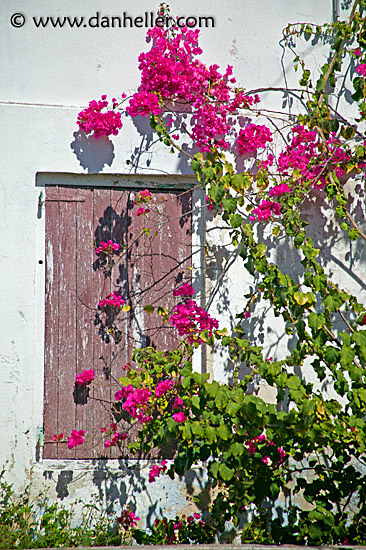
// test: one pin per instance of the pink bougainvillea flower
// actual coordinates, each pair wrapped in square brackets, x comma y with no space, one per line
[157,470]
[209,203]
[190,320]
[143,197]
[98,120]
[84,377]
[253,137]
[304,155]
[144,104]
[361,69]
[108,247]
[142,211]
[163,387]
[76,438]
[128,520]
[266,210]
[57,437]
[184,290]
[247,314]
[116,438]
[279,190]
[179,417]
[114,300]
[252,448]
[178,402]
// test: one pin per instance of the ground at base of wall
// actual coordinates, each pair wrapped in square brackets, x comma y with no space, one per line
[222,547]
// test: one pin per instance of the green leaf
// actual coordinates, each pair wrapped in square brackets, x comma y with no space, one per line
[212,388]
[333,302]
[316,321]
[347,356]
[214,469]
[221,399]
[226,473]
[210,434]
[237,449]
[149,309]
[331,355]
[197,429]
[353,234]
[235,220]
[186,432]
[229,205]
[224,432]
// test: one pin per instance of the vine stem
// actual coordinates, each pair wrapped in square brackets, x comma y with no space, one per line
[330,175]
[335,56]
[354,224]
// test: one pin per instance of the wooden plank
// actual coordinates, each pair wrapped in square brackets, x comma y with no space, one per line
[67,322]
[119,350]
[68,194]
[51,328]
[102,223]
[86,303]
[160,262]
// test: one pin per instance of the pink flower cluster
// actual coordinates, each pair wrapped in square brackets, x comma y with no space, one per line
[128,520]
[84,377]
[101,123]
[361,69]
[265,210]
[171,71]
[279,190]
[190,319]
[137,400]
[143,197]
[177,402]
[157,470]
[184,290]
[114,300]
[76,438]
[142,211]
[253,137]
[209,202]
[116,438]
[252,448]
[144,104]
[304,155]
[163,387]
[108,247]
[179,417]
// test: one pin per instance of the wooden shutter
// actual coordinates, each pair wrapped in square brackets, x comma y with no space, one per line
[148,268]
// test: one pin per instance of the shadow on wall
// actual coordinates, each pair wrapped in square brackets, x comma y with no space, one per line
[92,154]
[143,153]
[128,485]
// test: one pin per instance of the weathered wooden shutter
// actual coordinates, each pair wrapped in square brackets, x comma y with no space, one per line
[149,267]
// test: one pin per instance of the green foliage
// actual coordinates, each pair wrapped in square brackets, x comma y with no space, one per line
[254,450]
[181,530]
[307,444]
[38,523]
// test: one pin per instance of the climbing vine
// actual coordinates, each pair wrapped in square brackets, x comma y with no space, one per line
[306,444]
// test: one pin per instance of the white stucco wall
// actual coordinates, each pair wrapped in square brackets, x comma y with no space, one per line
[48,75]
